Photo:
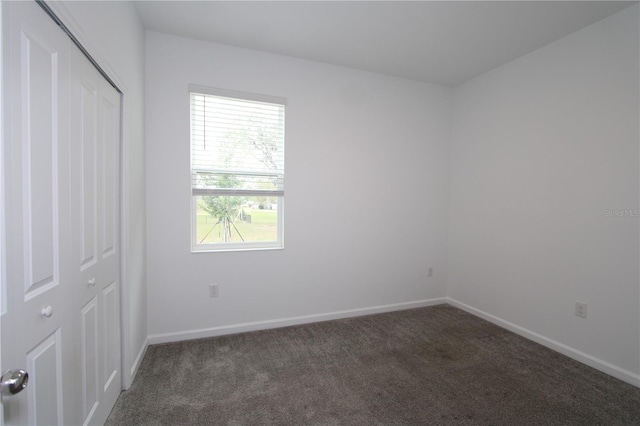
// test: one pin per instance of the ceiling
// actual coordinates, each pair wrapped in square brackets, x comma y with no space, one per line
[443,42]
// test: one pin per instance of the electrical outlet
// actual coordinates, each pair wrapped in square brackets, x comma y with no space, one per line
[581,309]
[213,290]
[430,271]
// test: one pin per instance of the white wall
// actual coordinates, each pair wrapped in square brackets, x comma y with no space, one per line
[366,193]
[113,35]
[542,148]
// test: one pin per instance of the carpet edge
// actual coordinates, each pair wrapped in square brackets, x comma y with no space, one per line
[591,361]
[286,322]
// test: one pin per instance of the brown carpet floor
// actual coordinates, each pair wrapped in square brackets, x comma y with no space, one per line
[427,366]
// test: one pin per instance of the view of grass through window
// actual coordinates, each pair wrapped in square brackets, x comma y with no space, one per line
[255,219]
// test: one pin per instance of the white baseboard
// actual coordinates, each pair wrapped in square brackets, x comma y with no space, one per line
[598,364]
[605,367]
[285,322]
[136,364]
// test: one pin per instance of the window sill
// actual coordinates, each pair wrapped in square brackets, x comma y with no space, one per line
[235,247]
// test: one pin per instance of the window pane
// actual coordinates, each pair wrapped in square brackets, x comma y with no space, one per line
[231,219]
[237,171]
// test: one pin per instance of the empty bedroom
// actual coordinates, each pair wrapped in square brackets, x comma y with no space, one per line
[323,213]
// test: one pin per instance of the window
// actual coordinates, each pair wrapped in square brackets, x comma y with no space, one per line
[237,170]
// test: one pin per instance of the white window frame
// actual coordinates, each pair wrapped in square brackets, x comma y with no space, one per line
[232,246]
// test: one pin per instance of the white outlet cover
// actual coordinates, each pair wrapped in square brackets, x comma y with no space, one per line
[213,290]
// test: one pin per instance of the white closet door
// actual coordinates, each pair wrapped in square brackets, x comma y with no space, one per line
[60,319]
[95,236]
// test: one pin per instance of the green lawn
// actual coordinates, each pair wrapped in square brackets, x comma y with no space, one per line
[263,227]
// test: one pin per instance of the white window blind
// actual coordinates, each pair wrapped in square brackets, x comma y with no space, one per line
[237,146]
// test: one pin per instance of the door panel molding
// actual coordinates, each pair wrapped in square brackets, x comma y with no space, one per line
[44,363]
[90,375]
[88,193]
[40,145]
